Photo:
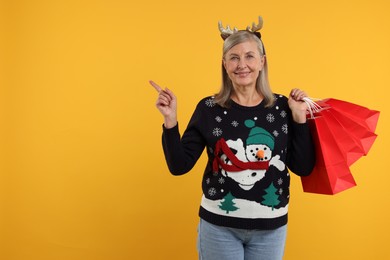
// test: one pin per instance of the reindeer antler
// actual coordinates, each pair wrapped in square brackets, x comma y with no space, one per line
[226,32]
[255,27]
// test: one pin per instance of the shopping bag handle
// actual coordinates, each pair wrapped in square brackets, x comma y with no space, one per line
[312,106]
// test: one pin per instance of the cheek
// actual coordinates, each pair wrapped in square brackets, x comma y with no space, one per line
[257,66]
[256,73]
[230,67]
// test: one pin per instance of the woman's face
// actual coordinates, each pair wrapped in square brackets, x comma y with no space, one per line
[243,64]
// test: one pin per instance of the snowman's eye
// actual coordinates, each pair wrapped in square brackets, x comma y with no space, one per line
[257,149]
[265,148]
[251,151]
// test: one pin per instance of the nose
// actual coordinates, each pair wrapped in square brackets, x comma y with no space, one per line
[260,154]
[241,64]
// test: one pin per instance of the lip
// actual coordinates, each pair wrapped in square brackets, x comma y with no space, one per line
[242,73]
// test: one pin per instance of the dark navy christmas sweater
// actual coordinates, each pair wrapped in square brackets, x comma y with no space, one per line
[250,149]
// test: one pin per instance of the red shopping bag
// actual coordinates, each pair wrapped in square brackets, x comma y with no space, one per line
[356,129]
[331,173]
[362,115]
[349,144]
[342,133]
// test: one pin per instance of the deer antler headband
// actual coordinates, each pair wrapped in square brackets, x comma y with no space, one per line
[226,32]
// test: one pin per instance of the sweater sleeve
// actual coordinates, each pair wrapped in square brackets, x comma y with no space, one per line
[301,154]
[181,153]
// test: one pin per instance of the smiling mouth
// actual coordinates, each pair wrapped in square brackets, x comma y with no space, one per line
[246,185]
[242,74]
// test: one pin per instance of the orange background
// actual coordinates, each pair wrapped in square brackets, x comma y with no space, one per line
[83,175]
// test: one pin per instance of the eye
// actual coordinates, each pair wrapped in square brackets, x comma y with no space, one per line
[234,58]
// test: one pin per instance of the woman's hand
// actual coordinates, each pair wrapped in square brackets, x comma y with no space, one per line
[297,105]
[167,105]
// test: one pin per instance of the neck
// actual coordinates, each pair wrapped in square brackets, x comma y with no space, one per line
[246,96]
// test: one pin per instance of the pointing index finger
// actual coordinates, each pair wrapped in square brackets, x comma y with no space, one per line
[156,87]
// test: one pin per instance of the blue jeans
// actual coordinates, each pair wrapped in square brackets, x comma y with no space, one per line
[223,243]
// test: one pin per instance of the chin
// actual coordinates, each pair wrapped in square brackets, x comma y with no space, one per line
[245,83]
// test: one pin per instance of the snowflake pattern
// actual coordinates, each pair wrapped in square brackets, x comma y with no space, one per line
[212,192]
[208,180]
[235,123]
[280,191]
[283,114]
[270,118]
[275,133]
[217,131]
[221,180]
[280,181]
[218,119]
[285,128]
[210,102]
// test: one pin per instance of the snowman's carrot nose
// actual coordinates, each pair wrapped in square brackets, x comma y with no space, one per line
[260,154]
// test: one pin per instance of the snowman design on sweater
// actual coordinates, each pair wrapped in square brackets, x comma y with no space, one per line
[259,146]
[250,179]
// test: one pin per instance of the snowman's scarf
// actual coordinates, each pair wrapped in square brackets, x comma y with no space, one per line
[237,165]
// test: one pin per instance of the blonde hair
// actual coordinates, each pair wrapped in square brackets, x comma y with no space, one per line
[262,84]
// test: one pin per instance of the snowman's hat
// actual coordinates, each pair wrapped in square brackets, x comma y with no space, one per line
[258,135]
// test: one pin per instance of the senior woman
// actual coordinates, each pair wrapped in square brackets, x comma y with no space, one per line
[252,136]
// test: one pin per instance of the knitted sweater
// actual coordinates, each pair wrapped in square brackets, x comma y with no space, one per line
[246,180]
